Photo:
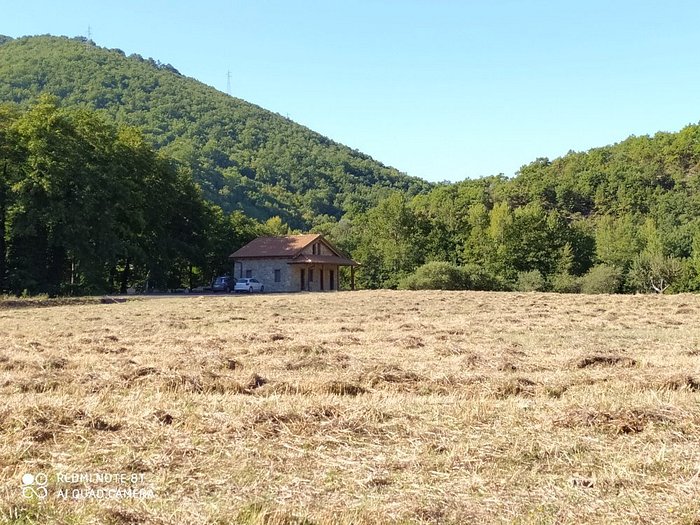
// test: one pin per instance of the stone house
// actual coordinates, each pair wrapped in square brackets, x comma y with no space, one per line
[292,263]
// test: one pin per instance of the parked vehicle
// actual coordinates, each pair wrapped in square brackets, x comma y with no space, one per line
[222,283]
[248,285]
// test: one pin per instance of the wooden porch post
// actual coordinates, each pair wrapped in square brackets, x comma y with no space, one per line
[352,278]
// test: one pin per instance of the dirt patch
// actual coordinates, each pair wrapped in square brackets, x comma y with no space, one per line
[555,391]
[140,372]
[232,364]
[56,363]
[224,385]
[308,349]
[507,366]
[182,383]
[112,350]
[621,421]
[14,364]
[517,386]
[310,362]
[392,374]
[411,342]
[39,383]
[584,483]
[454,349]
[681,382]
[163,417]
[45,423]
[347,340]
[255,381]
[44,302]
[351,329]
[124,517]
[103,425]
[605,360]
[685,311]
[342,388]
[270,422]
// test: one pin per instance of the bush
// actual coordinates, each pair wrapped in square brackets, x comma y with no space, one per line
[435,275]
[438,275]
[531,281]
[655,272]
[476,277]
[602,279]
[566,283]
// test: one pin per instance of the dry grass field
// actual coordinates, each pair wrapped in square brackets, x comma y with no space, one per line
[355,407]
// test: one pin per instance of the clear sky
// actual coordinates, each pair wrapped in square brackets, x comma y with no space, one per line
[440,89]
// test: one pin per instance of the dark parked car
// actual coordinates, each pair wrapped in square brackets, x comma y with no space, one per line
[223,283]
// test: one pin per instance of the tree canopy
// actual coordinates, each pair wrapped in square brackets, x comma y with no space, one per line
[242,156]
[629,212]
[89,207]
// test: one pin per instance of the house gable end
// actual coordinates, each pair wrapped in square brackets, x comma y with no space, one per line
[320,246]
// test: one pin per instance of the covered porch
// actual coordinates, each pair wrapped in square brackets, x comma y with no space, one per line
[318,273]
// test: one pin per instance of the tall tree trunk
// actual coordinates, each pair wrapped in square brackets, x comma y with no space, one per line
[72,274]
[56,266]
[112,279]
[125,276]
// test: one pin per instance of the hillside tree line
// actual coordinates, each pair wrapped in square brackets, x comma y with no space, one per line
[89,207]
[622,218]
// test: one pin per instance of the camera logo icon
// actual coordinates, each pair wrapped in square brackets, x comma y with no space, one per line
[35,485]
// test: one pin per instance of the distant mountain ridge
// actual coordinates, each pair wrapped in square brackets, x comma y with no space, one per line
[243,156]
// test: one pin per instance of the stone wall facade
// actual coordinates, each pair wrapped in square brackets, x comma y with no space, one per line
[264,271]
[290,275]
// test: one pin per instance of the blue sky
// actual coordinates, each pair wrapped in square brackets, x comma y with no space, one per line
[440,89]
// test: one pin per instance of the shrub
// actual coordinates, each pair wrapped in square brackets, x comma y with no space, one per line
[602,279]
[439,275]
[435,275]
[654,272]
[531,281]
[566,283]
[475,277]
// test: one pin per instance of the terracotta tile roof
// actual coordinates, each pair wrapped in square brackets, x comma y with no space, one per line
[303,258]
[286,246]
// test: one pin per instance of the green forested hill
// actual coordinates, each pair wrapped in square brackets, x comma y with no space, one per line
[624,217]
[619,218]
[244,157]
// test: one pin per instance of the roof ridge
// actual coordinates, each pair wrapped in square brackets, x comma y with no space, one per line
[276,246]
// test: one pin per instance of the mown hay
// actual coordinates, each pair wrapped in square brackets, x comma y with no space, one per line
[342,388]
[605,360]
[620,421]
[359,426]
[391,374]
[681,382]
[517,386]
